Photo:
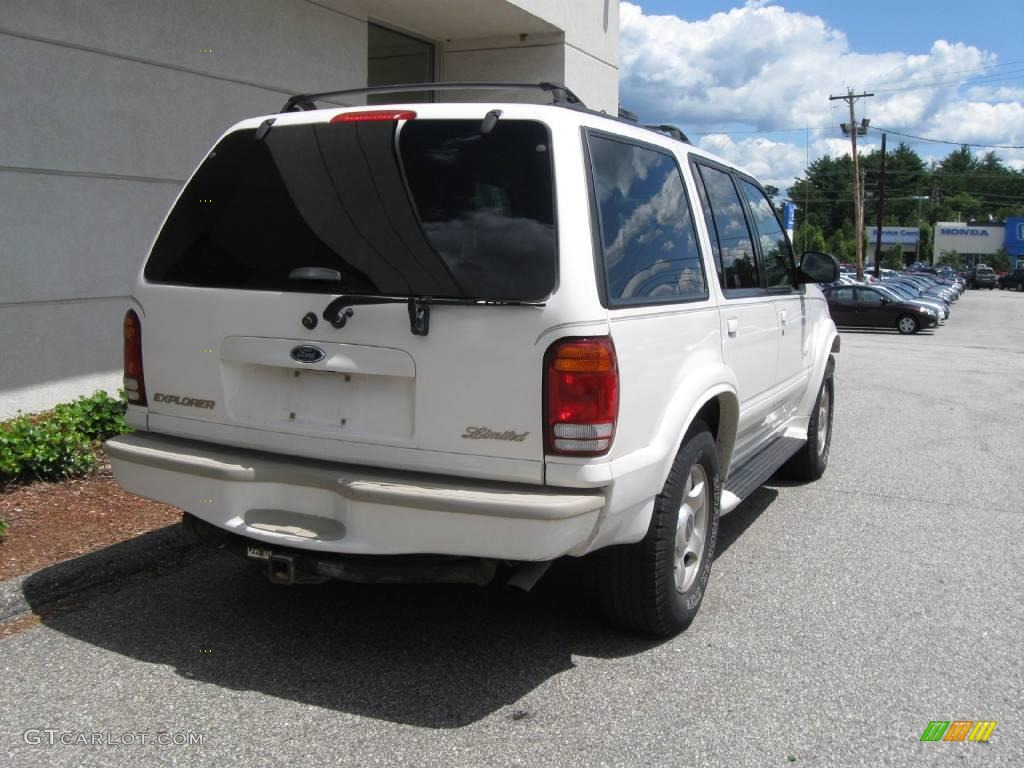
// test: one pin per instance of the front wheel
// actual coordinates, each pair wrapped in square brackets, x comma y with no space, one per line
[809,462]
[656,585]
[907,324]
[1020,287]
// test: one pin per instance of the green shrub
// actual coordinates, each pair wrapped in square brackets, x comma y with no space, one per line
[59,443]
[3,530]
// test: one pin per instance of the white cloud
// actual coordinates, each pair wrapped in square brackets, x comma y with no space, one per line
[760,66]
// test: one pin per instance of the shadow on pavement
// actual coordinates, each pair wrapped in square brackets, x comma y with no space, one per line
[734,524]
[858,331]
[431,656]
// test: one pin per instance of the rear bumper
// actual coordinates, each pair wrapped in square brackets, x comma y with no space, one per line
[341,508]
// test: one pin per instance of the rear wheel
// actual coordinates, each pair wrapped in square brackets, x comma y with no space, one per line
[1020,287]
[657,585]
[907,324]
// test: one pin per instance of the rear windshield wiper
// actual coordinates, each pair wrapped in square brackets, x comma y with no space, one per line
[340,309]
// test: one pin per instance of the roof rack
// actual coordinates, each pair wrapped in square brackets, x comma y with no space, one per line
[627,114]
[560,94]
[670,130]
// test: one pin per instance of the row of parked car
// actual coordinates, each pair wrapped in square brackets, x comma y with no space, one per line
[906,301]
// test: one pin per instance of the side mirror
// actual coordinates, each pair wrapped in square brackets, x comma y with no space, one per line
[885,300]
[818,267]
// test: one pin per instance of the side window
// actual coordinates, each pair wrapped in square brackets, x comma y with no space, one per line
[730,236]
[776,255]
[867,296]
[842,294]
[648,239]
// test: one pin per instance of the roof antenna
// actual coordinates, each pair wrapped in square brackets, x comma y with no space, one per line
[490,120]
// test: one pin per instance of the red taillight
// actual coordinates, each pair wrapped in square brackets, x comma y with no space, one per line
[374,114]
[581,396]
[134,380]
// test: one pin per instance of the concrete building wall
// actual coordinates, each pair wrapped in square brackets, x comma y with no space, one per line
[591,46]
[110,106]
[537,58]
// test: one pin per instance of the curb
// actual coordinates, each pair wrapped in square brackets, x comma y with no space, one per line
[64,579]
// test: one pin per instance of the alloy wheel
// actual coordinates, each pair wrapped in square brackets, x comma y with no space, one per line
[692,528]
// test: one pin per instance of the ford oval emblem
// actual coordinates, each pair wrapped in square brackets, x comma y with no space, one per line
[307,354]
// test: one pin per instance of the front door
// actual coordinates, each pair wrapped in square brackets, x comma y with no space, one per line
[776,256]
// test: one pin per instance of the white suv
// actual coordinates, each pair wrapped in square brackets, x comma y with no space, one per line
[445,341]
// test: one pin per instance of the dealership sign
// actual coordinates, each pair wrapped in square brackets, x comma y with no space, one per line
[966,231]
[1015,236]
[894,235]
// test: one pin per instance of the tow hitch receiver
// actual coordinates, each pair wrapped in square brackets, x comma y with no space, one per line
[281,569]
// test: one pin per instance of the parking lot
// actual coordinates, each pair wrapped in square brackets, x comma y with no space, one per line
[841,618]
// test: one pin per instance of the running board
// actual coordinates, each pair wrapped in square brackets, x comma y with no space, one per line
[746,479]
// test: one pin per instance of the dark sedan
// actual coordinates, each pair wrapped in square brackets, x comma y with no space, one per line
[868,307]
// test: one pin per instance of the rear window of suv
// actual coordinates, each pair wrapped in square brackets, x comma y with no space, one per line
[419,208]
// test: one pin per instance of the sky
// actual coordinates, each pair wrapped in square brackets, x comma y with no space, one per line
[751,80]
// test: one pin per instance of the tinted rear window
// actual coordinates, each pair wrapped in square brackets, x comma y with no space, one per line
[437,210]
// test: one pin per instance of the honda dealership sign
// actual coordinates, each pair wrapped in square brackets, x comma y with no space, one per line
[972,241]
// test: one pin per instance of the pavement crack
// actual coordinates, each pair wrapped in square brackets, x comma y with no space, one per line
[909,499]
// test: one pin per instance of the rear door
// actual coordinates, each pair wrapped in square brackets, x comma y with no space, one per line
[275,224]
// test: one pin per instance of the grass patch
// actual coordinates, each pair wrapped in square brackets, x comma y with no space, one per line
[60,443]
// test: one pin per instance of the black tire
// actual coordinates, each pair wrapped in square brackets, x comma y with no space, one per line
[809,462]
[1020,287]
[638,583]
[907,328]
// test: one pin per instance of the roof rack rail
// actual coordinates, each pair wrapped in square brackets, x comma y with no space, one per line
[629,115]
[560,94]
[670,130]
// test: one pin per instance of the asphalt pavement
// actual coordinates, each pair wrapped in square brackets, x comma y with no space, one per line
[841,617]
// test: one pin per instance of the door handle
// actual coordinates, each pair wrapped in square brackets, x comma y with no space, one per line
[732,326]
[783,320]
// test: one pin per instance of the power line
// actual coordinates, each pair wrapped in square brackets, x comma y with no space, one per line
[946,141]
[997,77]
[886,80]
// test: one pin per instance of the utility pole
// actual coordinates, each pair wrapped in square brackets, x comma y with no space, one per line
[881,210]
[853,129]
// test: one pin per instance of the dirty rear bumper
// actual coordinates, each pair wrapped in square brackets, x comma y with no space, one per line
[341,508]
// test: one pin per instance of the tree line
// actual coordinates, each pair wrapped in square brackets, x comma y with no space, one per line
[963,186]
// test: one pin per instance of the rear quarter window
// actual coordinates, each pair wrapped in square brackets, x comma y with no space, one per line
[648,243]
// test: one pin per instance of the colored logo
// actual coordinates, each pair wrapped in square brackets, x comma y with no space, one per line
[958,730]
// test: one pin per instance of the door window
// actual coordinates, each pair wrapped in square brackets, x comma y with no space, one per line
[842,294]
[730,235]
[866,296]
[776,255]
[648,241]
